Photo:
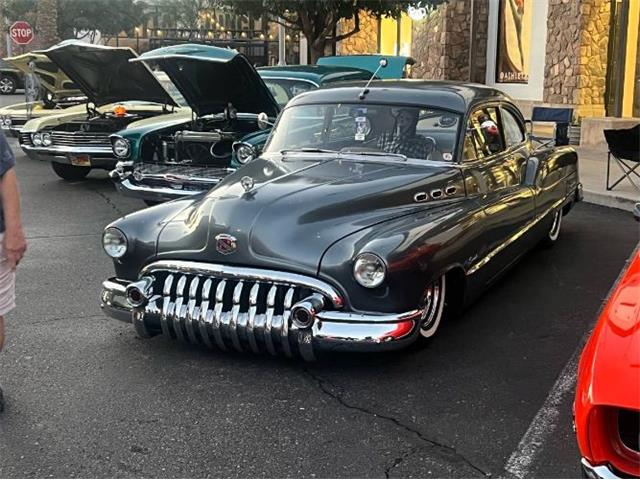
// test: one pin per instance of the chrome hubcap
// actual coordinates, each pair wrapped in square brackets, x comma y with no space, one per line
[430,305]
[6,85]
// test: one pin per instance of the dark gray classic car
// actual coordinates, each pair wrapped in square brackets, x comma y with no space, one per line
[370,213]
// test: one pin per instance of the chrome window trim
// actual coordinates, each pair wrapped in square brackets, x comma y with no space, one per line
[315,84]
[245,273]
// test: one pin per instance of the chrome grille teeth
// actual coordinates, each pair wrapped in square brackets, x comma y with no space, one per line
[166,302]
[288,302]
[204,318]
[192,309]
[224,313]
[233,320]
[271,301]
[253,308]
[180,310]
[217,313]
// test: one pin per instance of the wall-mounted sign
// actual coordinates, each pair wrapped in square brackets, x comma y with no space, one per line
[417,12]
[514,41]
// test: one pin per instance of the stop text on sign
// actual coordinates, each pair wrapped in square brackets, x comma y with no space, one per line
[21,33]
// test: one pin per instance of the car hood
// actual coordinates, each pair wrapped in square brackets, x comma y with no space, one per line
[78,112]
[297,209]
[210,77]
[105,75]
[614,348]
[51,77]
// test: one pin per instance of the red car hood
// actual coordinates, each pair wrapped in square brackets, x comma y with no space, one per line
[613,352]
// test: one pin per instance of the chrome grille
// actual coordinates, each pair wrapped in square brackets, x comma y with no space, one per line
[184,170]
[25,139]
[73,139]
[245,314]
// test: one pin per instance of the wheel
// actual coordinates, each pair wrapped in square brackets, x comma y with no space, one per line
[151,203]
[554,232]
[7,85]
[432,306]
[70,172]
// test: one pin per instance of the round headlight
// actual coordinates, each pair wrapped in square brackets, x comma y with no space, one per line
[36,138]
[6,121]
[114,242]
[121,147]
[245,153]
[369,270]
[46,139]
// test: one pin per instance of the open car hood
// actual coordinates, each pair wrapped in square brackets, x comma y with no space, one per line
[105,75]
[52,78]
[210,77]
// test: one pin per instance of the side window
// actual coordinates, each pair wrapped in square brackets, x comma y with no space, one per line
[483,134]
[513,131]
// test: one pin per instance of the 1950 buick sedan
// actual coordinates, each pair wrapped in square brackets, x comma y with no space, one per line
[369,211]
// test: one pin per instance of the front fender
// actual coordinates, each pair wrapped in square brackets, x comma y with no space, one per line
[416,248]
[142,229]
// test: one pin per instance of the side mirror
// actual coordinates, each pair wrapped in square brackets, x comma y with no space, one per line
[636,212]
[263,121]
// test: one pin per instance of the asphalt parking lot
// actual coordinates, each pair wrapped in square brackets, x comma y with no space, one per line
[86,398]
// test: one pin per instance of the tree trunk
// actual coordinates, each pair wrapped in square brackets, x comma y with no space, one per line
[316,49]
[47,23]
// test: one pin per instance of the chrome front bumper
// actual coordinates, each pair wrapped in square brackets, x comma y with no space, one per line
[151,193]
[101,157]
[163,185]
[599,471]
[331,330]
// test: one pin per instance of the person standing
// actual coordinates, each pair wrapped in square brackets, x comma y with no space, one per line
[12,240]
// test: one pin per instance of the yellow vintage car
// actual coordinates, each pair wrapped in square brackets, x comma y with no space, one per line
[57,92]
[118,95]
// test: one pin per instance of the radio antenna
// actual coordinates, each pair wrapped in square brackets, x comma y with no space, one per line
[382,64]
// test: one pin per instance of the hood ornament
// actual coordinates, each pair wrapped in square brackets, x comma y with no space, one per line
[247,183]
[226,244]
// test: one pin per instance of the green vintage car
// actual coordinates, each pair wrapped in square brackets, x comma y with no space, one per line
[166,160]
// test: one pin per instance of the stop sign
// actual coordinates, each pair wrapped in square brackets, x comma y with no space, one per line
[21,33]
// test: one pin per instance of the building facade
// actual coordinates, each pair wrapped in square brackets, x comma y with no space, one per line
[582,54]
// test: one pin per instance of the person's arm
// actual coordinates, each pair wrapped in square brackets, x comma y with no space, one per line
[14,242]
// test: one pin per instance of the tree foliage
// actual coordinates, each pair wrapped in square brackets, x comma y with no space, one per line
[317,19]
[110,17]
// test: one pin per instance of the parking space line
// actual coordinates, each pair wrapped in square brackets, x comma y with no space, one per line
[546,420]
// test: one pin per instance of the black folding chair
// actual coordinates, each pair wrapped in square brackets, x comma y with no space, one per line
[624,148]
[562,117]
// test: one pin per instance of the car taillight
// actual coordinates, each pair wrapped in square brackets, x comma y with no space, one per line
[613,439]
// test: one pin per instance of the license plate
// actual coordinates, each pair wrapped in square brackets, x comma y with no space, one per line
[80,160]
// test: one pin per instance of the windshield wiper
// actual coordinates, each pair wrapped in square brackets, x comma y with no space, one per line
[308,150]
[376,154]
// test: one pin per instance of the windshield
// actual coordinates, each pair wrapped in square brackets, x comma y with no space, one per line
[420,133]
[284,90]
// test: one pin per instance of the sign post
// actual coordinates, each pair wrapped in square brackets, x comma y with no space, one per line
[21,33]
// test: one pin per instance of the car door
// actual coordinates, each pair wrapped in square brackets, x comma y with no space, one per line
[494,165]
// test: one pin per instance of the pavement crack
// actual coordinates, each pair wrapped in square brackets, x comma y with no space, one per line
[446,449]
[110,202]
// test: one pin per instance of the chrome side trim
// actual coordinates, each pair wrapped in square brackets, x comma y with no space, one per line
[246,274]
[487,258]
